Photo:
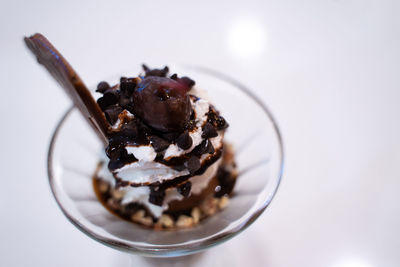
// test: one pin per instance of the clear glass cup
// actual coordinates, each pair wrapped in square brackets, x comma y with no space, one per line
[75,151]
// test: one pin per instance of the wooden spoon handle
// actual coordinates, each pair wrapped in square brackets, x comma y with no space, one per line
[48,56]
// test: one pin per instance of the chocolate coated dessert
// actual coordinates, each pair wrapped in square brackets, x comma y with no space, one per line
[165,149]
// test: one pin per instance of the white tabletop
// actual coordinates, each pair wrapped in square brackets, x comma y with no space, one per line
[327,69]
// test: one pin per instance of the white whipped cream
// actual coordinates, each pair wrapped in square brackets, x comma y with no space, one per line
[141,194]
[147,172]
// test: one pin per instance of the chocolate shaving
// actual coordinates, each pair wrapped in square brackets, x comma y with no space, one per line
[209,131]
[184,141]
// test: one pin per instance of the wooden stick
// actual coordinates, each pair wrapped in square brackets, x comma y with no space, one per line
[48,56]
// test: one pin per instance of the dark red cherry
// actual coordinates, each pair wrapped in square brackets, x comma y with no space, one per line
[162,103]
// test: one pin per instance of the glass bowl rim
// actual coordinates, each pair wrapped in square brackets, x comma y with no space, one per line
[176,249]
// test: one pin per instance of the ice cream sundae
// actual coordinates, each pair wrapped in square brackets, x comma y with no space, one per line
[166,164]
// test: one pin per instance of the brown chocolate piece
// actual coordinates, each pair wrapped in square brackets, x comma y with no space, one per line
[216,120]
[110,97]
[112,113]
[226,182]
[128,85]
[120,157]
[64,74]
[204,147]
[184,141]
[130,129]
[193,164]
[209,131]
[221,123]
[159,144]
[156,195]
[102,87]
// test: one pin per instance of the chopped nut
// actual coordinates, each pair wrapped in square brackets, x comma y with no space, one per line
[166,221]
[184,221]
[117,194]
[196,214]
[148,221]
[209,206]
[137,216]
[223,202]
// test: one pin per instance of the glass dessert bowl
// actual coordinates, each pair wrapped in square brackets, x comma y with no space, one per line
[75,152]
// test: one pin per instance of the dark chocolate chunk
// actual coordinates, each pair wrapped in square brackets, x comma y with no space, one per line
[204,147]
[126,103]
[102,87]
[120,157]
[221,123]
[184,189]
[131,208]
[129,129]
[226,182]
[193,164]
[127,85]
[155,72]
[191,125]
[209,131]
[184,141]
[109,98]
[156,196]
[179,168]
[210,148]
[159,144]
[112,113]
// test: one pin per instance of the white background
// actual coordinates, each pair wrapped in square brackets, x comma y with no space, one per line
[327,69]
